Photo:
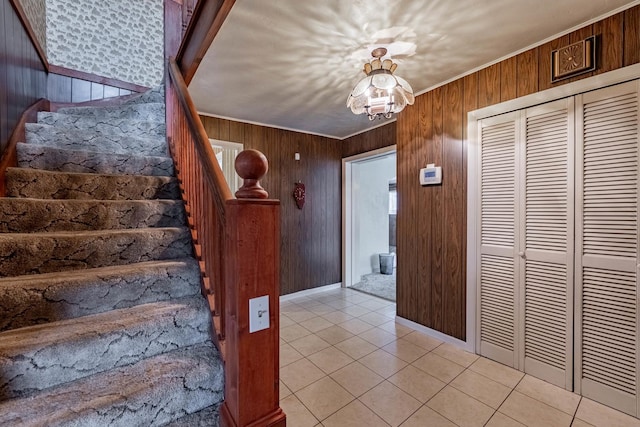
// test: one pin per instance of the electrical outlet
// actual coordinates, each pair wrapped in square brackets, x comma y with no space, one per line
[258,314]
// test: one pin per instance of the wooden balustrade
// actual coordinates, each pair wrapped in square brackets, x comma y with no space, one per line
[237,244]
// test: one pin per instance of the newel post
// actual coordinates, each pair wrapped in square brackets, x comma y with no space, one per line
[252,270]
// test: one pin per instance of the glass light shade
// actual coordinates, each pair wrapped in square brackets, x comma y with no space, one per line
[380,94]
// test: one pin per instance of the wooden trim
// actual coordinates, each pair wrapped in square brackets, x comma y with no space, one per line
[213,174]
[275,419]
[207,19]
[56,69]
[32,35]
[9,157]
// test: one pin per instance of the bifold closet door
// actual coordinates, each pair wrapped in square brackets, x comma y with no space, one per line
[607,246]
[526,240]
[497,262]
[546,197]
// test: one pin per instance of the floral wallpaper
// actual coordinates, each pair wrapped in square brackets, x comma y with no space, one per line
[36,12]
[120,39]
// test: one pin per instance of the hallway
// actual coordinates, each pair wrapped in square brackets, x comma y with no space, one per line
[346,363]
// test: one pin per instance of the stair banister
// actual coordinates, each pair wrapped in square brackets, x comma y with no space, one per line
[237,241]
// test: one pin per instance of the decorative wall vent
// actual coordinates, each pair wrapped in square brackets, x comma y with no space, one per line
[574,59]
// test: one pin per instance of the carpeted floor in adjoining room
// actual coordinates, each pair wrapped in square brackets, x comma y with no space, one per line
[380,285]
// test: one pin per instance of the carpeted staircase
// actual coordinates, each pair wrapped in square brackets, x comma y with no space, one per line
[101,318]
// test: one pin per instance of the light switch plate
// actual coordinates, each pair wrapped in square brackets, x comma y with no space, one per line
[258,314]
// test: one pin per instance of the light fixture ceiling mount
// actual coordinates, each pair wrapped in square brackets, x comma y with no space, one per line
[380,93]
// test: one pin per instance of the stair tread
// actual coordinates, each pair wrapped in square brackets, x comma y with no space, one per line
[207,417]
[30,215]
[44,252]
[121,143]
[147,109]
[34,337]
[94,151]
[152,392]
[90,233]
[38,183]
[102,125]
[38,156]
[62,295]
[44,279]
[37,357]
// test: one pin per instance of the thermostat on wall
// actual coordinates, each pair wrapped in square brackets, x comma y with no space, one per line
[431,175]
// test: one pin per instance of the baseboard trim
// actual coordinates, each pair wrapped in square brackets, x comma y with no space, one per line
[311,291]
[436,334]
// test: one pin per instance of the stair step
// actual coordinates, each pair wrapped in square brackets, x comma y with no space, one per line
[21,215]
[37,357]
[154,95]
[35,299]
[40,184]
[36,156]
[152,392]
[150,111]
[34,253]
[209,416]
[139,128]
[120,143]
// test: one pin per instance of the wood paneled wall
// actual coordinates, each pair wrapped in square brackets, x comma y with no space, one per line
[380,137]
[310,247]
[431,284]
[65,85]
[23,79]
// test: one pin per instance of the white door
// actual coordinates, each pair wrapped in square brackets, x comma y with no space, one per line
[498,261]
[606,261]
[546,242]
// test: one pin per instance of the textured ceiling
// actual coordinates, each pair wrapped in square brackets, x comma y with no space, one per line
[292,63]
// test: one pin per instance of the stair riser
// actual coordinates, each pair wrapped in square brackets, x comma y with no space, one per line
[31,183]
[145,112]
[151,393]
[45,357]
[19,215]
[89,140]
[55,159]
[102,126]
[50,252]
[34,300]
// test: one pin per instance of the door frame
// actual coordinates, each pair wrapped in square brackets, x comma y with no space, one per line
[347,219]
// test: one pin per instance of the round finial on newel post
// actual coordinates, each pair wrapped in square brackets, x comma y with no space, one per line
[251,165]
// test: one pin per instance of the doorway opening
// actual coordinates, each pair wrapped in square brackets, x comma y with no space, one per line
[369,222]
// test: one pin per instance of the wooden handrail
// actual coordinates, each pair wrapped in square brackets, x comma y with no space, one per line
[207,19]
[213,173]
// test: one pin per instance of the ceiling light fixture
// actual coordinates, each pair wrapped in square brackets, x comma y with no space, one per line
[380,93]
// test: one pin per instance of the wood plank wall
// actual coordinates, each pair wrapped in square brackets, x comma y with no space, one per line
[66,85]
[70,89]
[431,285]
[23,79]
[374,139]
[310,247]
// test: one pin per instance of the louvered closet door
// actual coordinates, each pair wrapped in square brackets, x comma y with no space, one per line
[497,263]
[546,243]
[607,246]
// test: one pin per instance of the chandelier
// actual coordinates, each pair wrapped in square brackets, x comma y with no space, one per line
[380,93]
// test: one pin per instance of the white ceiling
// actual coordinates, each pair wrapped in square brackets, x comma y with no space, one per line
[292,63]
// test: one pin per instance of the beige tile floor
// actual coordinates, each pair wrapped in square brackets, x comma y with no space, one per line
[345,362]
